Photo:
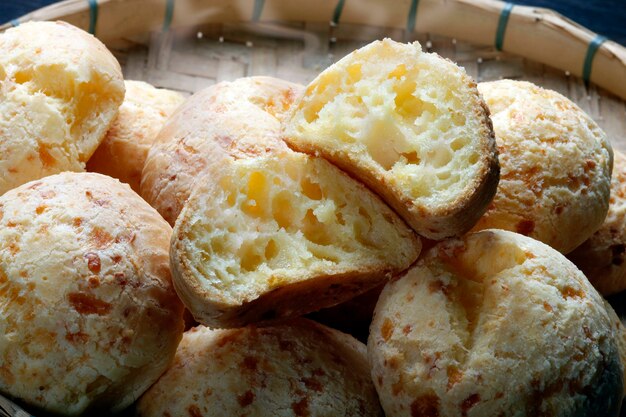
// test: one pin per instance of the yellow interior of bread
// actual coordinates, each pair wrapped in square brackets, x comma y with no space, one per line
[400,113]
[269,222]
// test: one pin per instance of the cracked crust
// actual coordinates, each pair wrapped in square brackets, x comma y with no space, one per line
[290,368]
[90,318]
[555,163]
[492,324]
[60,91]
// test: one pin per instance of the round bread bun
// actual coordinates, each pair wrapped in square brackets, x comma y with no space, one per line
[124,149]
[282,235]
[409,124]
[60,91]
[556,166]
[291,368]
[89,317]
[494,324]
[602,257]
[239,119]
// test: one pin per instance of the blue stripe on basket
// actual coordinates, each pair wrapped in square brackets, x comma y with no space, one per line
[93,16]
[15,22]
[258,9]
[591,53]
[504,20]
[169,14]
[338,10]
[411,19]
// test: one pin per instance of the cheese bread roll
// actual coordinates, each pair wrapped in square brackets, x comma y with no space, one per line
[89,318]
[556,166]
[494,324]
[60,89]
[291,368]
[409,124]
[282,235]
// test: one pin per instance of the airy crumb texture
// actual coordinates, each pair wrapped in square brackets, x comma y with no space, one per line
[125,147]
[292,368]
[556,166]
[494,324]
[279,236]
[89,318]
[602,257]
[409,124]
[60,89]
[229,120]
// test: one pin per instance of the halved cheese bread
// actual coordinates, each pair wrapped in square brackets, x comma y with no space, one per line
[282,235]
[409,124]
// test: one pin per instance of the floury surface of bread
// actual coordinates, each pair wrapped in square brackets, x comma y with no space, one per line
[282,235]
[290,368]
[141,116]
[60,89]
[494,324]
[411,126]
[89,318]
[555,163]
[602,257]
[229,120]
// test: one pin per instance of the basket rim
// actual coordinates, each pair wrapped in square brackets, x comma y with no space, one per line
[593,57]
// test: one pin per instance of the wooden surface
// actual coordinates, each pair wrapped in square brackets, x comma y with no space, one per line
[191,59]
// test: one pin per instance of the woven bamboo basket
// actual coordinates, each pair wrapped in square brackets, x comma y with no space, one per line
[187,45]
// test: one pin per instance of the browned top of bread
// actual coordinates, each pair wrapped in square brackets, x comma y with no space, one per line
[291,368]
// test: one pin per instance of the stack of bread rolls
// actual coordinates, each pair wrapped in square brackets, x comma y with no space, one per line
[391,189]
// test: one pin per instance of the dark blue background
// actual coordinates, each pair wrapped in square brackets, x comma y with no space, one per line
[606,17]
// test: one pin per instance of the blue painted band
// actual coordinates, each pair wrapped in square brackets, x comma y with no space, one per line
[258,9]
[169,14]
[412,18]
[591,53]
[93,16]
[338,10]
[504,20]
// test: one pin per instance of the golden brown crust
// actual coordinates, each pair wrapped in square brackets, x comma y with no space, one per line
[123,151]
[602,257]
[494,323]
[226,121]
[91,318]
[61,89]
[289,368]
[555,166]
